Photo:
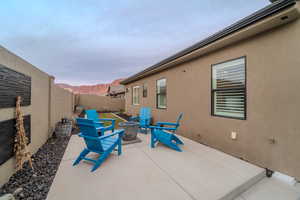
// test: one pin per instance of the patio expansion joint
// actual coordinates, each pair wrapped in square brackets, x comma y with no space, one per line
[164,171]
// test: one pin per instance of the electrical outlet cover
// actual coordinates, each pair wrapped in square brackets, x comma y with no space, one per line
[233,135]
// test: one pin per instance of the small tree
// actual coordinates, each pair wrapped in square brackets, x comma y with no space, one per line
[20,148]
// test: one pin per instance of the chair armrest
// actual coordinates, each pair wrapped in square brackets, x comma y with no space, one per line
[105,119]
[104,128]
[88,137]
[108,120]
[119,132]
[99,123]
[166,123]
[162,128]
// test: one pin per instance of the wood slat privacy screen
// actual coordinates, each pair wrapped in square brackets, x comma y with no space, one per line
[229,89]
[7,137]
[13,84]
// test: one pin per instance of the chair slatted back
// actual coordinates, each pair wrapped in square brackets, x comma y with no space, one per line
[88,128]
[92,114]
[145,116]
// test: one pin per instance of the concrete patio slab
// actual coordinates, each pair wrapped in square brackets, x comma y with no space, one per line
[205,172]
[199,172]
[74,148]
[129,176]
[272,189]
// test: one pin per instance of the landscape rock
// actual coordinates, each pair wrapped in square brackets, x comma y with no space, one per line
[34,184]
[22,195]
[18,191]
[7,197]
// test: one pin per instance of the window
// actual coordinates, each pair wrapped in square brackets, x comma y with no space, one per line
[229,89]
[145,90]
[135,95]
[161,93]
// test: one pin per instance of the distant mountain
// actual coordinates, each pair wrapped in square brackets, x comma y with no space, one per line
[99,89]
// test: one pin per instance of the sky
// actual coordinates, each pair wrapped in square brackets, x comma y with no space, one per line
[97,41]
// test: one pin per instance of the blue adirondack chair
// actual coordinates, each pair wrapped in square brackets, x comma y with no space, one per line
[100,128]
[164,132]
[103,145]
[93,115]
[144,119]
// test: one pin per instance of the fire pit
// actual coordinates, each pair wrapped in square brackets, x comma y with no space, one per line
[131,130]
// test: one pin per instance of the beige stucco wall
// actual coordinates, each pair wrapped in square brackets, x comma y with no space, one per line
[39,108]
[62,104]
[101,103]
[273,100]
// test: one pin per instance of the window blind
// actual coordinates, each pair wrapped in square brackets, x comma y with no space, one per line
[229,89]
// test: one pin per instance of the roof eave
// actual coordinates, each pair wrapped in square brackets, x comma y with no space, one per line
[244,24]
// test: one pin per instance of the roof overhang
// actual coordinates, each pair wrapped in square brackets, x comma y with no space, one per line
[274,15]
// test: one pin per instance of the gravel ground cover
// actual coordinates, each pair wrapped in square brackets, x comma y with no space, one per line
[34,184]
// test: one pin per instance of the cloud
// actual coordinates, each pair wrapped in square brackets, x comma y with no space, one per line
[93,41]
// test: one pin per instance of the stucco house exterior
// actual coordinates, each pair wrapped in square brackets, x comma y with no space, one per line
[238,89]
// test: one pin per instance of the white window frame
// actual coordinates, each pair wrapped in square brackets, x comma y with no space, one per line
[138,95]
[158,93]
[243,89]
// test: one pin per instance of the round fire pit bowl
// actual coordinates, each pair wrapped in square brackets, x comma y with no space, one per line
[131,130]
